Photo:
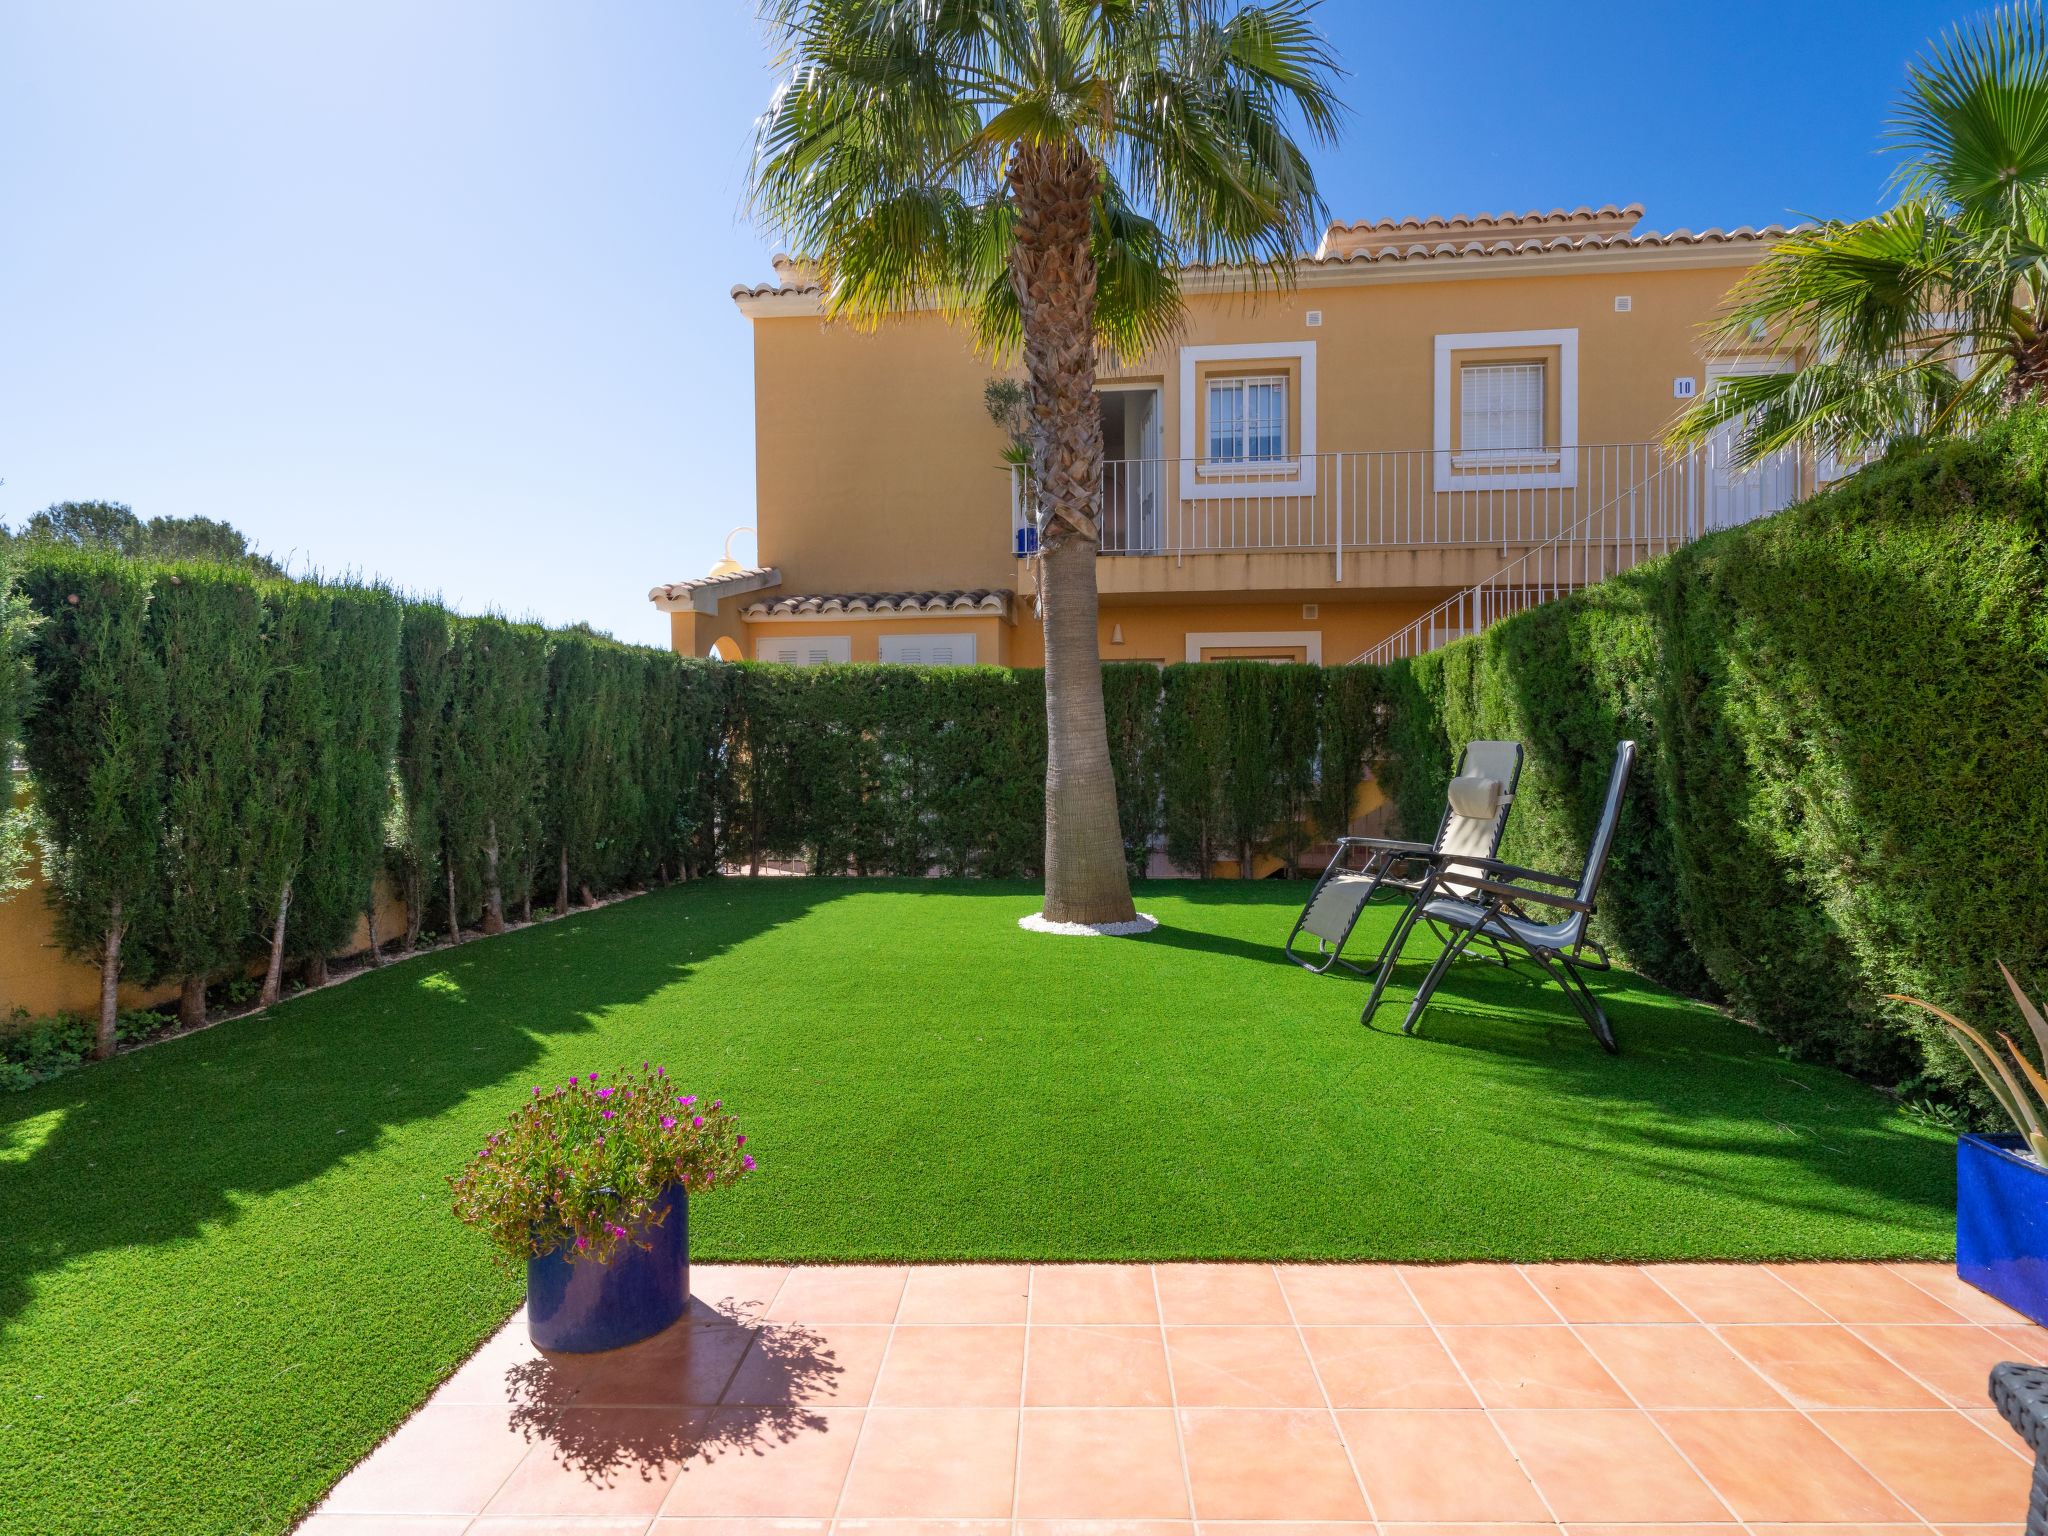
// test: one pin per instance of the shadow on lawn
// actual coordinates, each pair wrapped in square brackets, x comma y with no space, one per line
[1687,1084]
[156,1146]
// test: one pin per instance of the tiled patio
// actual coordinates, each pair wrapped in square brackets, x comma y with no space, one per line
[1146,1401]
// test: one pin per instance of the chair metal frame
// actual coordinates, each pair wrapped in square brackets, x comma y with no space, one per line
[1498,914]
[1389,865]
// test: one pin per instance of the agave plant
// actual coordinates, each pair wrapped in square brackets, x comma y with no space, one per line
[2024,1098]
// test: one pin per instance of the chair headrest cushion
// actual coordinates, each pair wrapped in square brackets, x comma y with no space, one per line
[1476,797]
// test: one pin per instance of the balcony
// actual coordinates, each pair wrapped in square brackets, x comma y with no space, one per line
[1412,519]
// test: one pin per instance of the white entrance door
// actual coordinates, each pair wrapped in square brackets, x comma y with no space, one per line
[1734,495]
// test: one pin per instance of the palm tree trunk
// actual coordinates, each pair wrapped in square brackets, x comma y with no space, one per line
[192,1002]
[1053,270]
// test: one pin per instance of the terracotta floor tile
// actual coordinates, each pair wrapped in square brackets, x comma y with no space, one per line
[1826,1367]
[895,1527]
[1954,1292]
[1093,1293]
[1100,1464]
[1775,1465]
[1734,1293]
[840,1294]
[1954,1362]
[952,1367]
[604,1461]
[1265,1464]
[508,1369]
[1992,1422]
[1678,1366]
[445,1460]
[1604,1293]
[776,1463]
[683,1367]
[2023,1342]
[1533,1367]
[1109,1528]
[1220,1293]
[558,1525]
[1387,1368]
[385,1525]
[1241,1368]
[730,1293]
[1291,1528]
[1476,1294]
[1942,1465]
[1704,1528]
[946,1462]
[1860,1528]
[830,1365]
[1106,1366]
[1966,1530]
[735,1525]
[1470,1529]
[1864,1293]
[1608,1467]
[1404,1457]
[966,1293]
[1338,1295]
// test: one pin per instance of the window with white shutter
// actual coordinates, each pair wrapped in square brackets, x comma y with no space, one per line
[1500,410]
[928,650]
[805,650]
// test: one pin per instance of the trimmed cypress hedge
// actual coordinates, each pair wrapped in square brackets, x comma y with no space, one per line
[1844,783]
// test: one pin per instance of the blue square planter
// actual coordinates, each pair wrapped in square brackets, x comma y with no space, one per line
[2002,1222]
[578,1309]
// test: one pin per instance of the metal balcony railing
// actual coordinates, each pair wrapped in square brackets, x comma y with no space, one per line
[1693,492]
[1421,499]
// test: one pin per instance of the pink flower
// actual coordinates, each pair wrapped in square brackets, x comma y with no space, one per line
[604,1093]
[696,1122]
[582,1243]
[668,1122]
[747,1163]
[688,1098]
[741,1142]
[611,1114]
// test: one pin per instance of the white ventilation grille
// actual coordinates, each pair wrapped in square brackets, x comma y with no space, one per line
[1500,408]
[805,650]
[929,650]
[1623,303]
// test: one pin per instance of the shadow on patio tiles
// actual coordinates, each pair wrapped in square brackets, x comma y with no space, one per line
[786,1365]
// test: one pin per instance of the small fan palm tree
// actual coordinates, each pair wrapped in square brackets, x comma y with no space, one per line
[1925,321]
[1041,170]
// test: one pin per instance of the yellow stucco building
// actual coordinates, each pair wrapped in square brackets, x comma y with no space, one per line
[1299,476]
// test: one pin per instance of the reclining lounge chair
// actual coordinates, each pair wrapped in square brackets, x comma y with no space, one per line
[1475,815]
[1482,898]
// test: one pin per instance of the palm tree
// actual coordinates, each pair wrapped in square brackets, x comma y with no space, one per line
[1041,170]
[1924,321]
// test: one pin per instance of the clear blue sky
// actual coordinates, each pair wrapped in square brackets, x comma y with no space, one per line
[438,291]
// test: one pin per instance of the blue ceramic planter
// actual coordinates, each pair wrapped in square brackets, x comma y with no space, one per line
[578,1309]
[2002,1222]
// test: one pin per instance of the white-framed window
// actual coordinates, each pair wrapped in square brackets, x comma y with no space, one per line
[1525,450]
[1204,478]
[805,650]
[929,650]
[1500,411]
[1248,420]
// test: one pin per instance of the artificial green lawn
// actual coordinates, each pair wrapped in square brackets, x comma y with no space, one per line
[227,1266]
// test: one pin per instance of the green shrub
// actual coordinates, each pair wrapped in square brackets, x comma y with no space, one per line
[1843,787]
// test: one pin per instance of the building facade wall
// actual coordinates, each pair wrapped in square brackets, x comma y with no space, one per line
[879,470]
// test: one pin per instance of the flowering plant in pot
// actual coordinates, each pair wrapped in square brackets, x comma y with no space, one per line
[589,1187]
[2002,1181]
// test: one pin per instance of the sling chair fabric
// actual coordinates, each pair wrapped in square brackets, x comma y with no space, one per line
[1475,816]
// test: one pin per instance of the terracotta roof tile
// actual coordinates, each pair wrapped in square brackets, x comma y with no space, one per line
[981,600]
